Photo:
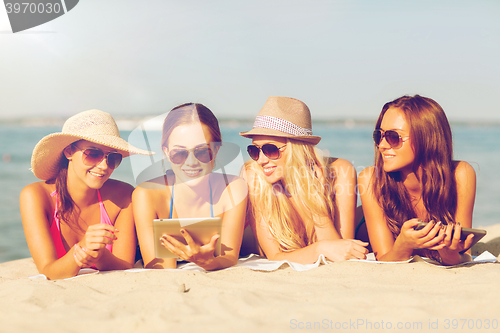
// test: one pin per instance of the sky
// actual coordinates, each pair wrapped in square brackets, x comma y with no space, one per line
[344,59]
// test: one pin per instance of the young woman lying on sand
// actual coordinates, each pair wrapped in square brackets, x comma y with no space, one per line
[72,218]
[415,179]
[190,140]
[301,204]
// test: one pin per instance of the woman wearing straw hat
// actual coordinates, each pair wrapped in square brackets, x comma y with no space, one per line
[77,217]
[301,203]
[191,140]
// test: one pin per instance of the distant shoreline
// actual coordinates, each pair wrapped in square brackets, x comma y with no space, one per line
[131,122]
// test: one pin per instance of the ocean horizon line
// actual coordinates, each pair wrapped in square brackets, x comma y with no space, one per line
[127,122]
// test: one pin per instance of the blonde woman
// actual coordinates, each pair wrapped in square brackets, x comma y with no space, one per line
[77,217]
[301,203]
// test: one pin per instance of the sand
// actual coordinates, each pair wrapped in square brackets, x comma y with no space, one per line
[341,296]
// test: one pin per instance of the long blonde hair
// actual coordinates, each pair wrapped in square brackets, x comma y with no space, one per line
[302,179]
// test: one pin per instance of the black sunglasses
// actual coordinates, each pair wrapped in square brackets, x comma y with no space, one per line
[202,154]
[93,156]
[393,138]
[270,150]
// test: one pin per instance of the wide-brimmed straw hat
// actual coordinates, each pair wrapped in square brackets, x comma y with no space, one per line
[92,125]
[284,117]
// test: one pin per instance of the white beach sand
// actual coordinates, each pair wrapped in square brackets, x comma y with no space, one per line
[342,296]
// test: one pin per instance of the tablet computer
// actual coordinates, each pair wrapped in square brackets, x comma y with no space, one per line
[201,230]
[478,233]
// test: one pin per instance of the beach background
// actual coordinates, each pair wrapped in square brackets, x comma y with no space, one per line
[477,144]
[344,58]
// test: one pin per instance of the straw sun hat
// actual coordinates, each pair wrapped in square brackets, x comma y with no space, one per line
[94,126]
[284,117]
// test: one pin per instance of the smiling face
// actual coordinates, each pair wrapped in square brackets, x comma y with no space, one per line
[188,137]
[95,175]
[273,169]
[400,159]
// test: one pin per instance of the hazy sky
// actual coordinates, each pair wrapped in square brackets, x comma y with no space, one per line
[344,59]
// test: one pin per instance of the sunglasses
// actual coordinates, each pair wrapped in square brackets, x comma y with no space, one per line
[202,154]
[271,151]
[393,138]
[93,156]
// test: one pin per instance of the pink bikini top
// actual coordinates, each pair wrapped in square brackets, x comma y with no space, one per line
[55,227]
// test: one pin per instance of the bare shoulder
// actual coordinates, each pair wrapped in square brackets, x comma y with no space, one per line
[239,188]
[339,163]
[464,173]
[463,170]
[154,189]
[113,185]
[155,183]
[229,182]
[39,190]
[117,191]
[36,199]
[233,179]
[366,174]
[220,177]
[342,168]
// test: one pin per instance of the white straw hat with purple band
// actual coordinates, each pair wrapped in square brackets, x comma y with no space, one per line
[284,117]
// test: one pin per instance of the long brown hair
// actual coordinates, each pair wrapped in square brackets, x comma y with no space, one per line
[66,206]
[431,140]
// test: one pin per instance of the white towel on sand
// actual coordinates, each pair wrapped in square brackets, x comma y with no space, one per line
[258,263]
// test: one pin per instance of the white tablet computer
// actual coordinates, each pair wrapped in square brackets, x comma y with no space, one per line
[201,230]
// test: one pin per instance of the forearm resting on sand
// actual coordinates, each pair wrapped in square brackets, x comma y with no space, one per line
[109,262]
[62,268]
[334,250]
[396,253]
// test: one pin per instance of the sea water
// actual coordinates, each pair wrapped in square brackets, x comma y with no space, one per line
[478,145]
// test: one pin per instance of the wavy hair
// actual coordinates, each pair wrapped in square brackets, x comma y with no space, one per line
[66,209]
[431,141]
[271,202]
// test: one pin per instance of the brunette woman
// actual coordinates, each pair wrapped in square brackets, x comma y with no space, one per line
[414,180]
[77,217]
